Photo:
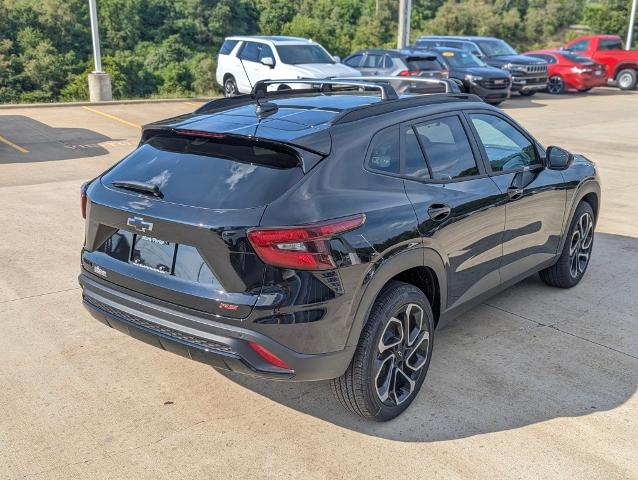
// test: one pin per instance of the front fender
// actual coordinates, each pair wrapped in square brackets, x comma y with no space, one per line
[588,185]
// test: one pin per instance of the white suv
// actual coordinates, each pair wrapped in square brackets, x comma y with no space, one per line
[242,61]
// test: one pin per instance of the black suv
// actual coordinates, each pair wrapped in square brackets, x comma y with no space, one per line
[490,83]
[323,233]
[528,75]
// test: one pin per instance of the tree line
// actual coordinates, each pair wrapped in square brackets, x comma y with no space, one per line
[168,48]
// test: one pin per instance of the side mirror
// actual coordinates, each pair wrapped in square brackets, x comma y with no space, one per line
[558,158]
[268,61]
[336,58]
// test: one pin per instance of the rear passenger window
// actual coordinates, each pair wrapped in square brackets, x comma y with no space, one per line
[505,146]
[415,165]
[228,46]
[447,148]
[384,151]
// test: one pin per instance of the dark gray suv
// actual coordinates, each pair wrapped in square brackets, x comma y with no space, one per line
[324,233]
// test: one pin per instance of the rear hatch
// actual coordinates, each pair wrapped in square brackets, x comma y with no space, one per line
[170,220]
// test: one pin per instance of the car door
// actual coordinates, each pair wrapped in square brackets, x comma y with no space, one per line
[459,208]
[372,64]
[534,194]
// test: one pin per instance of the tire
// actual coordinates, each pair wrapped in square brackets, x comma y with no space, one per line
[626,79]
[528,93]
[230,87]
[391,360]
[555,85]
[574,259]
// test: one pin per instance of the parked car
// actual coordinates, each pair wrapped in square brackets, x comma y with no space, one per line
[399,63]
[243,61]
[325,235]
[621,64]
[490,83]
[569,71]
[528,75]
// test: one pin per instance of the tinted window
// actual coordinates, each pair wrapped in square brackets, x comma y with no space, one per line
[423,64]
[447,148]
[506,147]
[579,46]
[209,173]
[384,151]
[387,61]
[354,60]
[265,51]
[415,165]
[576,58]
[299,54]
[614,44]
[250,51]
[495,48]
[228,46]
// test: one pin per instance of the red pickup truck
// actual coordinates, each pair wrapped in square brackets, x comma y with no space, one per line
[621,64]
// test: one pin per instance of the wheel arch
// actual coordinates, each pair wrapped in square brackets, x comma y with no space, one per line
[625,66]
[422,267]
[588,191]
[226,77]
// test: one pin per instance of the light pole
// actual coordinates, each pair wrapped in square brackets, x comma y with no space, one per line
[99,82]
[632,18]
[401,29]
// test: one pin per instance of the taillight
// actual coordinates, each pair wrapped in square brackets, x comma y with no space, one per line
[200,133]
[405,73]
[305,247]
[268,356]
[83,198]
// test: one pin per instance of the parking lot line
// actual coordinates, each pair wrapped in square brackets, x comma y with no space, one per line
[6,141]
[193,103]
[113,117]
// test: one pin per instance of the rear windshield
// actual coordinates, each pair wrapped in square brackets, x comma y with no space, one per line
[209,173]
[415,64]
[576,58]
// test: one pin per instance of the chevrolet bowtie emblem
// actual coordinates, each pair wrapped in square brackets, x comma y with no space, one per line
[139,224]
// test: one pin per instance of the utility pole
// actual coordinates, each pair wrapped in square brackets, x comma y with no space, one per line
[401,29]
[99,82]
[408,21]
[632,18]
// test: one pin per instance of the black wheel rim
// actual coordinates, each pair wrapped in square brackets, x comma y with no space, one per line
[402,353]
[580,245]
[555,85]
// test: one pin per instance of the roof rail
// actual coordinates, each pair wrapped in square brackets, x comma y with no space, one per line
[451,86]
[325,85]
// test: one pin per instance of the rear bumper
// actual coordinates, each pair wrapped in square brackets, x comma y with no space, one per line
[214,343]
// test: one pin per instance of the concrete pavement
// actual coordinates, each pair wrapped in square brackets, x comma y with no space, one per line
[535,383]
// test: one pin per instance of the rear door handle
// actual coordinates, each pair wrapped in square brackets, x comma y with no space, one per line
[514,192]
[439,211]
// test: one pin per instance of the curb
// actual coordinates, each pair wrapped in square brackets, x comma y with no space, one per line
[7,106]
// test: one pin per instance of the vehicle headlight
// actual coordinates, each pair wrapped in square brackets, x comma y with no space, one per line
[473,78]
[507,66]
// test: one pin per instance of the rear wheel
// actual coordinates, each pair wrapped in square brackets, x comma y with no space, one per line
[555,85]
[393,355]
[230,87]
[627,79]
[574,259]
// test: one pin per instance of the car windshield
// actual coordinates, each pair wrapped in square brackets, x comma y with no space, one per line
[461,59]
[495,48]
[298,54]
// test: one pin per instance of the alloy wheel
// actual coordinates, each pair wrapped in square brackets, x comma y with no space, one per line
[624,81]
[402,353]
[555,85]
[230,90]
[580,245]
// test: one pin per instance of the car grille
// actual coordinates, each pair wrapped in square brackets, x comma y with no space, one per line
[536,68]
[495,84]
[158,329]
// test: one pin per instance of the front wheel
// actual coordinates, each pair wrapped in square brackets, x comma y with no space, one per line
[555,85]
[574,259]
[393,355]
[627,79]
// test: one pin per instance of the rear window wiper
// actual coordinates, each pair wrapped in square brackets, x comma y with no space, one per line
[141,187]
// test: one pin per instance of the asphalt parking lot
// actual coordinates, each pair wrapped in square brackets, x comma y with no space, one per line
[535,383]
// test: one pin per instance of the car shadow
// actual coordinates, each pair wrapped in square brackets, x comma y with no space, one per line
[34,141]
[496,368]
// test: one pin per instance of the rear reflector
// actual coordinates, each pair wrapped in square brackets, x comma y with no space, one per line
[305,247]
[268,356]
